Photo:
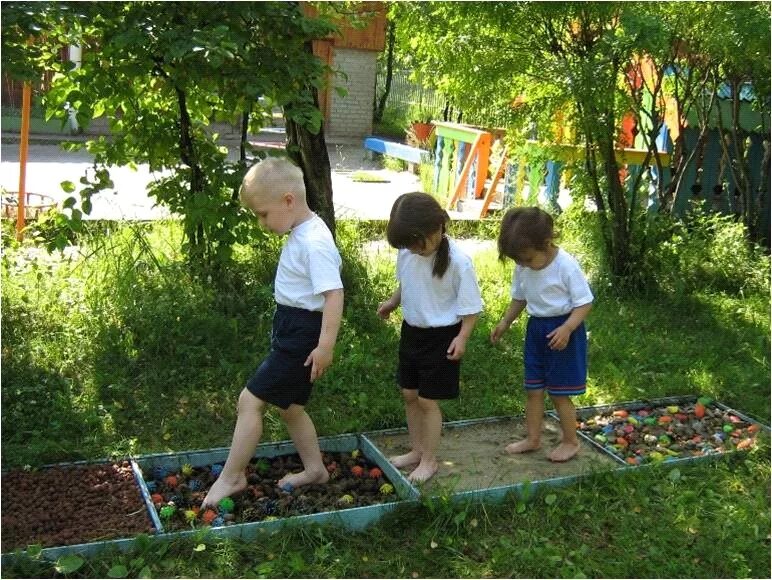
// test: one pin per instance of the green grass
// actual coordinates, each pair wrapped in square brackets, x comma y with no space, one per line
[122,349]
[367,177]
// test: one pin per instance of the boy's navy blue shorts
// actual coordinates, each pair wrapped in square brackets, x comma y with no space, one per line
[282,379]
[424,364]
[561,372]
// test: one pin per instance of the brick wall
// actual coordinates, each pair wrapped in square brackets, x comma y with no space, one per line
[351,116]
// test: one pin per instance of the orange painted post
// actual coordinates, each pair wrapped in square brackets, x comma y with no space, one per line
[21,210]
[483,156]
[461,183]
[492,191]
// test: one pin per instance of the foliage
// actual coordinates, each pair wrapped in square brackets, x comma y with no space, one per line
[561,66]
[161,73]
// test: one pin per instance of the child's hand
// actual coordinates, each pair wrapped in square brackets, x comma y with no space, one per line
[319,359]
[457,348]
[559,338]
[385,309]
[498,331]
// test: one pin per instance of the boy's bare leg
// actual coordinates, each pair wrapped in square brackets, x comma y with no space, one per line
[534,413]
[431,431]
[303,434]
[414,427]
[246,436]
[569,444]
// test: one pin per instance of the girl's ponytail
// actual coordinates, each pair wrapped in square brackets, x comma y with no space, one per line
[442,257]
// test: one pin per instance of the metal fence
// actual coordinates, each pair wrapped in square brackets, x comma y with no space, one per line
[425,102]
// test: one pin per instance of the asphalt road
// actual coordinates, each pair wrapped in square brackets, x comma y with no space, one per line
[48,166]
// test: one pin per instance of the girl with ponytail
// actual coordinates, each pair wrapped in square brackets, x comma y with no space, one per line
[437,289]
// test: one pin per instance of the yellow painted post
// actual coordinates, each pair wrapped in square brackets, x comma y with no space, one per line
[21,209]
[520,180]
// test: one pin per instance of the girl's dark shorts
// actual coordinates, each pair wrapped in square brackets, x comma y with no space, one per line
[424,364]
[281,379]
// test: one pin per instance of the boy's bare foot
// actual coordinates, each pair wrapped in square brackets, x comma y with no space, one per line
[523,446]
[224,488]
[406,460]
[424,472]
[564,452]
[305,477]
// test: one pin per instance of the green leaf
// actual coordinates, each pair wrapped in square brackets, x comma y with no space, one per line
[67,186]
[118,571]
[145,573]
[200,548]
[674,475]
[550,498]
[69,563]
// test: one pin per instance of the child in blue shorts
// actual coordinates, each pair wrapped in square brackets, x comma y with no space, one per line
[309,306]
[440,303]
[549,284]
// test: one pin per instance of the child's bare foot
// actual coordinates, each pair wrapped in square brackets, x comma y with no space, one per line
[523,446]
[564,452]
[224,488]
[424,472]
[406,460]
[305,477]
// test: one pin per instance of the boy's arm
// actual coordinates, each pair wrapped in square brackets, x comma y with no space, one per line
[321,357]
[458,345]
[562,334]
[390,305]
[513,311]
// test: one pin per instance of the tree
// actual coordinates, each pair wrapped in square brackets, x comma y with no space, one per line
[162,72]
[572,63]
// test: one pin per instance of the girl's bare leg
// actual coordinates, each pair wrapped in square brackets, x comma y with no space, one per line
[534,414]
[414,429]
[569,444]
[431,431]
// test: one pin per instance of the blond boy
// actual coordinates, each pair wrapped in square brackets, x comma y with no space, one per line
[309,305]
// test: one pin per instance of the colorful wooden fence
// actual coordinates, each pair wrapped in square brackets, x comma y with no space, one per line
[460,162]
[707,178]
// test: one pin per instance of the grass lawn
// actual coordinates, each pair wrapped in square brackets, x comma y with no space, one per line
[121,349]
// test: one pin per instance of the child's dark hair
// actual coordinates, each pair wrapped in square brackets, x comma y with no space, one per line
[524,228]
[414,217]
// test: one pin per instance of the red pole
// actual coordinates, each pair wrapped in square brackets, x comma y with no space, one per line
[21,212]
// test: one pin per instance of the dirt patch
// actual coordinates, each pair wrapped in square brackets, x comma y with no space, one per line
[67,505]
[472,455]
[355,481]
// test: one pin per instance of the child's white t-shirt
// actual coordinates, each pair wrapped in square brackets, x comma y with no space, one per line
[309,265]
[431,302]
[554,290]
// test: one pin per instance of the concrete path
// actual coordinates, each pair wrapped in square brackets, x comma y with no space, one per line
[48,165]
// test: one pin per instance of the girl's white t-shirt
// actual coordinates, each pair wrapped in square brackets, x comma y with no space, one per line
[554,290]
[431,302]
[309,265]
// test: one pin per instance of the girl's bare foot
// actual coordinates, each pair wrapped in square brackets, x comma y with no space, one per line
[224,487]
[305,477]
[523,446]
[424,472]
[564,452]
[406,460]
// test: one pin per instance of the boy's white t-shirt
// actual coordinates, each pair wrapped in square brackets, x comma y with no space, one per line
[309,265]
[430,302]
[554,290]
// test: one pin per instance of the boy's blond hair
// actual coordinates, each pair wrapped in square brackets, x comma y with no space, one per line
[273,176]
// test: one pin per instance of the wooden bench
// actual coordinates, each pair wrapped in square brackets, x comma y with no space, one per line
[412,155]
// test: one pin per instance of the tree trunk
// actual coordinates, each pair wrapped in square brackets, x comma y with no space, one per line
[309,151]
[378,116]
